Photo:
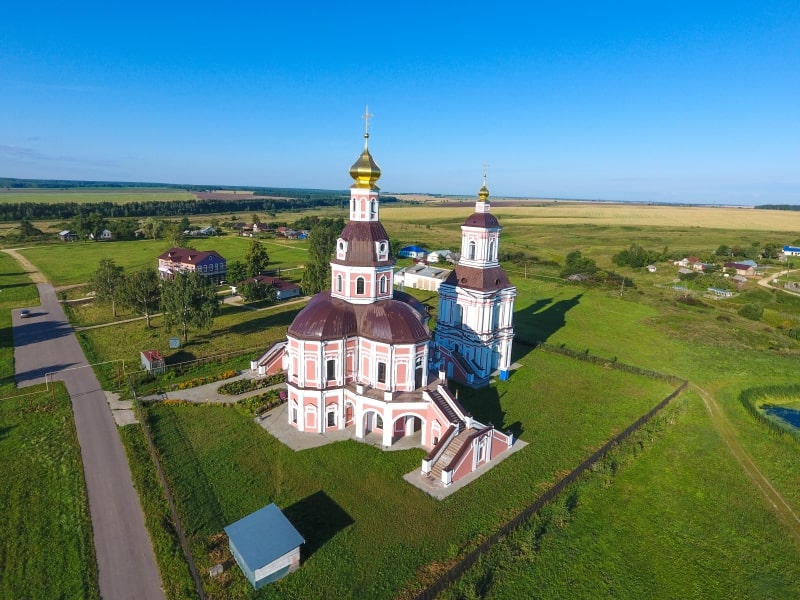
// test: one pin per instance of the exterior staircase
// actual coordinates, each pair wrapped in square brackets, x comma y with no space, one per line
[446,408]
[447,456]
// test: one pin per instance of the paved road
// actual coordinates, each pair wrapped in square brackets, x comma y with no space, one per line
[45,343]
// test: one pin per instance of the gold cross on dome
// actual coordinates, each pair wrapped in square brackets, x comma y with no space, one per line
[366,116]
[485,169]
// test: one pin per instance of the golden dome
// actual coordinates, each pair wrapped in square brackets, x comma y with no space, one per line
[365,170]
[483,193]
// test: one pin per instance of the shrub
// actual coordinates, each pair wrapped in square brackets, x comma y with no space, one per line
[754,312]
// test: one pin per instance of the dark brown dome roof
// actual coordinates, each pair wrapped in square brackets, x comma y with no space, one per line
[324,318]
[361,238]
[485,220]
[391,321]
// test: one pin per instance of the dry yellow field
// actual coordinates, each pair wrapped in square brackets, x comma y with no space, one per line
[568,213]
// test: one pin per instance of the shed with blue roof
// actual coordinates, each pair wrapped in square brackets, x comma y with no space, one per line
[265,545]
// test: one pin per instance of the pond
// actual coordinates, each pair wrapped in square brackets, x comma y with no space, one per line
[788,416]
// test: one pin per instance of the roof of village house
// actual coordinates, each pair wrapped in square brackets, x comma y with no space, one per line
[263,536]
[493,278]
[361,238]
[399,320]
[739,265]
[188,257]
[152,355]
[276,282]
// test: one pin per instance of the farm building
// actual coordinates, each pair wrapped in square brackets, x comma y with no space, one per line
[360,356]
[791,251]
[421,277]
[412,252]
[265,545]
[67,236]
[153,361]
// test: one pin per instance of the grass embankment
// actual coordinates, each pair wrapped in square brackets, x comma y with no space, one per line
[16,291]
[46,549]
[682,520]
[175,575]
[222,466]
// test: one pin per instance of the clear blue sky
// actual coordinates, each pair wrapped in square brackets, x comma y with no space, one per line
[650,101]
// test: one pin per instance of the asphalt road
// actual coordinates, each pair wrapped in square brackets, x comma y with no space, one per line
[45,343]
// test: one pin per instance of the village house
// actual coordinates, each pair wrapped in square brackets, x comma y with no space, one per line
[284,289]
[417,252]
[67,236]
[209,264]
[743,268]
[153,361]
[104,236]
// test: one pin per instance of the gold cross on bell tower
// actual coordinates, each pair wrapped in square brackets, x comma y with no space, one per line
[366,116]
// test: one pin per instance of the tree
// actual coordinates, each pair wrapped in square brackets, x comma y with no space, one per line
[237,271]
[322,241]
[576,263]
[189,300]
[174,233]
[256,258]
[152,227]
[141,292]
[106,283]
[254,291]
[723,250]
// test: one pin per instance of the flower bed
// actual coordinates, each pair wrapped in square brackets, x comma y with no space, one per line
[198,381]
[248,385]
[257,405]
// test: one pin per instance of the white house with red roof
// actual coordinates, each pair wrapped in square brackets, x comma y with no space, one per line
[359,355]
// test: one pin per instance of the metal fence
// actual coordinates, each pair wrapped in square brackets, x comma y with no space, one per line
[455,572]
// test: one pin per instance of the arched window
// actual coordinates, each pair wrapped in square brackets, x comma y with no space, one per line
[338,283]
[471,252]
[360,285]
[491,250]
[374,208]
[383,285]
[352,205]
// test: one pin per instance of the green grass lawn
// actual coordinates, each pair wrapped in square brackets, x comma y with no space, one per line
[71,263]
[46,549]
[680,521]
[389,530]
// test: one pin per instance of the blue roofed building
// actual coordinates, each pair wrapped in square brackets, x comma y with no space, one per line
[266,545]
[417,252]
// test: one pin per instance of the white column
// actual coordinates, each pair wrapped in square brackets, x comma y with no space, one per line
[388,428]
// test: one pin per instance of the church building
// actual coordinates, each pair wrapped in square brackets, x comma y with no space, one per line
[474,330]
[360,355]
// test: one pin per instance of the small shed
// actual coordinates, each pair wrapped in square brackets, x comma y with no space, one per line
[153,361]
[266,545]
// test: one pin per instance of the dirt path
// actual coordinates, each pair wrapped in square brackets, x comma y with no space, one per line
[726,430]
[30,268]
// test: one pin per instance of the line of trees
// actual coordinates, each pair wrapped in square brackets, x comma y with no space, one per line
[322,242]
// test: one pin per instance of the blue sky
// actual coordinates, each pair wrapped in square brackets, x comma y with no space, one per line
[648,101]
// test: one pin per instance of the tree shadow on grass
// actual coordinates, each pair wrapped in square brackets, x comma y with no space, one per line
[280,319]
[4,432]
[318,518]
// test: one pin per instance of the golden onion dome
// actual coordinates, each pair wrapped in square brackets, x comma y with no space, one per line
[483,193]
[365,171]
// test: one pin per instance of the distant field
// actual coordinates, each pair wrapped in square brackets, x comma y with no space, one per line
[86,196]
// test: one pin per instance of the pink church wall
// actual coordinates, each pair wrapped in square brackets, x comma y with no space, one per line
[465,465]
[498,446]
